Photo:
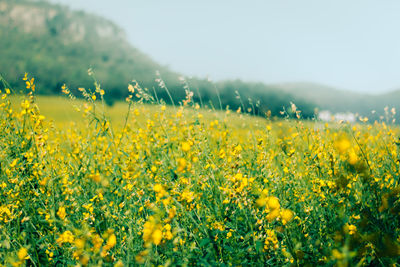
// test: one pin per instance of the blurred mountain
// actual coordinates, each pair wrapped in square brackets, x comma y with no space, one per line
[58,45]
[336,100]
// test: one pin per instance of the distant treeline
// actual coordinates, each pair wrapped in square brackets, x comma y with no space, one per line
[62,45]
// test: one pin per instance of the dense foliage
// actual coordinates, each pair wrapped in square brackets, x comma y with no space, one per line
[185,186]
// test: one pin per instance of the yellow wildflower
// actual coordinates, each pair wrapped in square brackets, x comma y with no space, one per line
[66,237]
[111,241]
[343,144]
[352,229]
[273,203]
[23,254]
[286,216]
[185,146]
[157,236]
[61,213]
[272,215]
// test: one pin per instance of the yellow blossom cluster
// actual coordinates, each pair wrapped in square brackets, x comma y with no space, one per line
[190,186]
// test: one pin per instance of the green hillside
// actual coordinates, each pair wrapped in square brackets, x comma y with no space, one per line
[58,45]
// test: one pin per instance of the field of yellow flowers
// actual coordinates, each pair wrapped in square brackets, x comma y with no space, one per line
[179,186]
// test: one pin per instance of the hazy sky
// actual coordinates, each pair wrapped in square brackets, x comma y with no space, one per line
[349,44]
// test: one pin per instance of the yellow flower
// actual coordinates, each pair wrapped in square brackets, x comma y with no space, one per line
[181,164]
[185,146]
[353,157]
[97,242]
[272,215]
[66,237]
[159,189]
[273,203]
[172,212]
[167,227]
[157,236]
[343,145]
[337,254]
[111,241]
[152,231]
[286,216]
[352,229]
[23,254]
[168,235]
[153,169]
[95,177]
[61,213]
[271,241]
[188,196]
[80,243]
[261,202]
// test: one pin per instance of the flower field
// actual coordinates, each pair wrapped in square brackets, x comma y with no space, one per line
[185,185]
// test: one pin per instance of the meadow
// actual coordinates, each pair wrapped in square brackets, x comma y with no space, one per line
[83,184]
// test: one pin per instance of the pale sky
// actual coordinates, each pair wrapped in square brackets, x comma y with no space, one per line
[348,44]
